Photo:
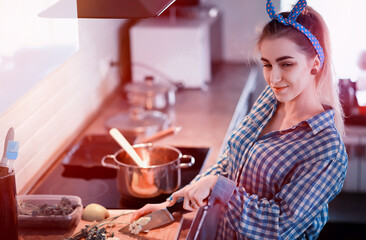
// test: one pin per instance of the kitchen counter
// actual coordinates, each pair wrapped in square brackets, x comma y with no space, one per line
[206,116]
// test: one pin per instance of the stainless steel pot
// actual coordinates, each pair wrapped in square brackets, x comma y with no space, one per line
[139,123]
[150,95]
[163,176]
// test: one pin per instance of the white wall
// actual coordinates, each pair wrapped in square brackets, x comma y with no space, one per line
[54,111]
[240,20]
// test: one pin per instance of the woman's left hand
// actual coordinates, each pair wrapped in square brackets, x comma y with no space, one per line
[148,208]
[196,194]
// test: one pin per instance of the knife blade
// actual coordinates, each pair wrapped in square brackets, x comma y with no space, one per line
[158,218]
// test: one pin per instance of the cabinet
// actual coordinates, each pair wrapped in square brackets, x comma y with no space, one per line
[355,142]
[176,49]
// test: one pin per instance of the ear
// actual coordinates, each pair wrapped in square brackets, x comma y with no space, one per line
[316,63]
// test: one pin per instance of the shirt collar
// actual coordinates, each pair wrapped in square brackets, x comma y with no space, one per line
[267,104]
[322,120]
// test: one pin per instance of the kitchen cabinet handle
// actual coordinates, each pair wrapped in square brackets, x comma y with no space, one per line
[187,165]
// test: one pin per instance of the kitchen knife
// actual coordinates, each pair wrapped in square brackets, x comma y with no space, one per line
[158,218]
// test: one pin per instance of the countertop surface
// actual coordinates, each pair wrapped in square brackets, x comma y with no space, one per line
[204,115]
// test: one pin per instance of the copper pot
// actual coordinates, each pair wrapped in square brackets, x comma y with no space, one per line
[162,176]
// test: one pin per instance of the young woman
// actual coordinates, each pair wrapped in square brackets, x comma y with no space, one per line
[286,161]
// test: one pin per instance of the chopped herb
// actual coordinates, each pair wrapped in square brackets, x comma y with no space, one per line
[98,230]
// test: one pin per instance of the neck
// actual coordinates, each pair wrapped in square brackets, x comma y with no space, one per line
[304,106]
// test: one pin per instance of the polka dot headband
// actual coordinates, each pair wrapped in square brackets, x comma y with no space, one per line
[291,20]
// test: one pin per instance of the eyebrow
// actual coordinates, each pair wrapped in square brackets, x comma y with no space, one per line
[278,59]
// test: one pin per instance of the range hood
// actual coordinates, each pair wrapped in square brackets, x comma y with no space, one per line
[106,9]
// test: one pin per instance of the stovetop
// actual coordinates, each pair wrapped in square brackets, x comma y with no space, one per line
[92,186]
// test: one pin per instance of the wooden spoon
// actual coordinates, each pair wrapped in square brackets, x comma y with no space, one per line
[161,134]
[122,141]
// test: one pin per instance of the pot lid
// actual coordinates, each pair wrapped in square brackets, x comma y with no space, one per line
[139,121]
[148,86]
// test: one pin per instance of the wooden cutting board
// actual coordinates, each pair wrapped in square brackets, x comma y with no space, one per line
[166,232]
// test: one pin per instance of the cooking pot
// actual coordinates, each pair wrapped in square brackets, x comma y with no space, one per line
[150,95]
[138,122]
[162,176]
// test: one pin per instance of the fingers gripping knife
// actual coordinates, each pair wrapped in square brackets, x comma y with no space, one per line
[156,219]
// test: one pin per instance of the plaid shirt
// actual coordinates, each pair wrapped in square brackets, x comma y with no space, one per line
[278,186]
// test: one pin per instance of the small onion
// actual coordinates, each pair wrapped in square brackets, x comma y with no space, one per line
[95,212]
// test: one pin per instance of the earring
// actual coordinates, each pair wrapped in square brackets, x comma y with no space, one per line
[314,71]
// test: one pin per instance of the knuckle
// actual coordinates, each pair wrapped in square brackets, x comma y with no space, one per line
[186,194]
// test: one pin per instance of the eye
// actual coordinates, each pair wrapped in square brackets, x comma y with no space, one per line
[286,64]
[267,65]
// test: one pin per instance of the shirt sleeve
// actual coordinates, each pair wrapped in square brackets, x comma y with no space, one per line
[291,211]
[219,168]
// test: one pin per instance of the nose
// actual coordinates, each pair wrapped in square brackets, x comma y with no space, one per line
[275,76]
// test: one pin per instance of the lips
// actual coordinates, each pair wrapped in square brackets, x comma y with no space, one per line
[279,88]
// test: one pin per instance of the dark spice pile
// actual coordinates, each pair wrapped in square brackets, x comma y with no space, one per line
[64,207]
[92,233]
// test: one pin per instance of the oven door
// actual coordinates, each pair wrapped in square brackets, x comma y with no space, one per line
[355,142]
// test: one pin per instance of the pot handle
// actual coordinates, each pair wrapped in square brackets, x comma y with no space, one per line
[105,164]
[187,165]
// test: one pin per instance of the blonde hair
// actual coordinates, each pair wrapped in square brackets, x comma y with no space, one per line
[327,88]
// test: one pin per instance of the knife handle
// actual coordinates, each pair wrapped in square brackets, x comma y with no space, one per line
[177,207]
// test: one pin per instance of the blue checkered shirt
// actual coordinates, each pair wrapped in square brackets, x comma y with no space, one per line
[278,186]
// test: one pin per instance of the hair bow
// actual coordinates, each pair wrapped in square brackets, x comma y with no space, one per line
[291,20]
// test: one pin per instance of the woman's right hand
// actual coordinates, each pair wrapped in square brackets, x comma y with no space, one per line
[196,194]
[148,208]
